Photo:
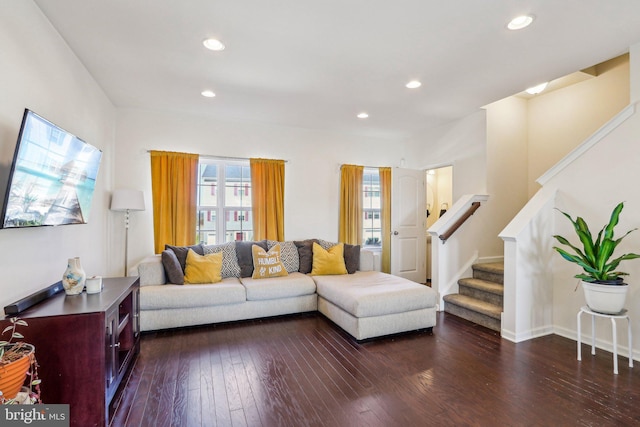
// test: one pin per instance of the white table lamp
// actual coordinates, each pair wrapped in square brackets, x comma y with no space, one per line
[127,200]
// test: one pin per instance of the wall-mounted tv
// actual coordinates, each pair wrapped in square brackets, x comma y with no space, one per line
[52,177]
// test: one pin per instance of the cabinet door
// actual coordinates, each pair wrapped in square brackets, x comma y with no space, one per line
[136,312]
[111,350]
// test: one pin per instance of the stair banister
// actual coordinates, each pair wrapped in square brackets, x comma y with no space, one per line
[470,211]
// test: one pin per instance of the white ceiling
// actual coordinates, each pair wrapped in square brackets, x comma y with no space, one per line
[316,64]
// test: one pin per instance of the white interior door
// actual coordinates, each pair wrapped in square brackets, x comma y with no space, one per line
[408,232]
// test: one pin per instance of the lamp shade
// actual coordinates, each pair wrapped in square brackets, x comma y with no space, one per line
[127,199]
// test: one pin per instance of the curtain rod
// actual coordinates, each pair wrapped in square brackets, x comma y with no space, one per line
[366,167]
[225,157]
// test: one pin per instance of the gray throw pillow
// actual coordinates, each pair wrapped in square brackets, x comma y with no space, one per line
[352,257]
[245,256]
[172,267]
[181,252]
[305,255]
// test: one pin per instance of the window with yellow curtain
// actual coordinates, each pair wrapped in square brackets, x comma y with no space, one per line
[267,180]
[350,227]
[371,230]
[173,185]
[224,201]
[385,217]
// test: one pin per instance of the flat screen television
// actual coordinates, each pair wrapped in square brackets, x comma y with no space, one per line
[52,178]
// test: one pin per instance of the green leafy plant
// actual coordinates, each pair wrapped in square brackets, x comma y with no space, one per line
[595,255]
[5,345]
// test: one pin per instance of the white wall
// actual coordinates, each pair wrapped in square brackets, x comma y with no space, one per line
[634,64]
[461,144]
[38,71]
[507,164]
[525,137]
[561,119]
[312,172]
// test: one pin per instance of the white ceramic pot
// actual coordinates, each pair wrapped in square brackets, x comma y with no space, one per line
[74,277]
[607,299]
[93,285]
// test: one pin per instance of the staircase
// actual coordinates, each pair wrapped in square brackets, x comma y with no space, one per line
[481,297]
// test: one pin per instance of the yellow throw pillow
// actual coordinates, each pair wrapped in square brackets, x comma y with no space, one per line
[267,264]
[202,268]
[328,262]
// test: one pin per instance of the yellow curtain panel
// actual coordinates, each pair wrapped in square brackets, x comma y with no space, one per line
[350,230]
[267,199]
[174,177]
[385,217]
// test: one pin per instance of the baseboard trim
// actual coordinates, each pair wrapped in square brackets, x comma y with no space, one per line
[604,345]
[527,335]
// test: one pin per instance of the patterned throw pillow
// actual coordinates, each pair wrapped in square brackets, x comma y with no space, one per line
[288,254]
[202,268]
[326,245]
[267,264]
[230,267]
[328,262]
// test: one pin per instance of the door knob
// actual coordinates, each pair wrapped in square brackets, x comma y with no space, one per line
[395,233]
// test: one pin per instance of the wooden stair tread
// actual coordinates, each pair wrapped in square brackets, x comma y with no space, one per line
[490,267]
[483,285]
[474,304]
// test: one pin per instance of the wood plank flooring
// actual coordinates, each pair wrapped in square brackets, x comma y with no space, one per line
[305,371]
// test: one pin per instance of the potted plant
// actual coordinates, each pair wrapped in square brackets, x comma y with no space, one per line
[604,287]
[17,360]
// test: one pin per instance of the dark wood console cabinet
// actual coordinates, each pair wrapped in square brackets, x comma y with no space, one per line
[85,345]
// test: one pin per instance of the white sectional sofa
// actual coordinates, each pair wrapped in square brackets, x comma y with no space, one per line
[366,303]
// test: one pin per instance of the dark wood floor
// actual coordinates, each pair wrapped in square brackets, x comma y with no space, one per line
[305,371]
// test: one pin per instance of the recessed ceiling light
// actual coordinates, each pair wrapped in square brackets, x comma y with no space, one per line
[413,84]
[537,89]
[520,22]
[363,115]
[213,44]
[208,93]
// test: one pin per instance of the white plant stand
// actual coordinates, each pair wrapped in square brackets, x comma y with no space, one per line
[614,317]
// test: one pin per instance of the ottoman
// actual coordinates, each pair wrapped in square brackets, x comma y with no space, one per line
[370,304]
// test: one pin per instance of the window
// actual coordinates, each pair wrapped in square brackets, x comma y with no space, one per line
[224,201]
[371,205]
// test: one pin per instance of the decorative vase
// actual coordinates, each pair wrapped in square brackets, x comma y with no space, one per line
[74,277]
[606,299]
[13,374]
